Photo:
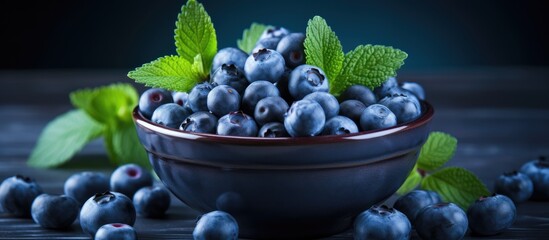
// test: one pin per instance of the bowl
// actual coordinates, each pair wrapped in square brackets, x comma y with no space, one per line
[277,188]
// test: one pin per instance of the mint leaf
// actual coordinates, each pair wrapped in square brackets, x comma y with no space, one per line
[195,34]
[437,150]
[412,181]
[456,185]
[323,49]
[109,104]
[368,65]
[170,72]
[124,146]
[250,37]
[63,137]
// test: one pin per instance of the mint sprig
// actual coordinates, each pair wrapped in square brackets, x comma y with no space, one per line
[368,65]
[170,72]
[454,184]
[101,112]
[195,34]
[63,137]
[323,49]
[196,46]
[250,36]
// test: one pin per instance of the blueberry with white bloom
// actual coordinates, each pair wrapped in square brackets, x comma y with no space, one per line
[305,118]
[264,64]
[17,194]
[54,211]
[306,79]
[377,116]
[339,125]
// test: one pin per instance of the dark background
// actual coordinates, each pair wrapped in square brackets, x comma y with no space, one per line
[126,34]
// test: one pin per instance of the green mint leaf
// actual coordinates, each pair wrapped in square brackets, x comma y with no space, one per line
[63,137]
[323,49]
[456,185]
[170,72]
[109,104]
[123,146]
[437,150]
[412,181]
[250,37]
[195,34]
[368,65]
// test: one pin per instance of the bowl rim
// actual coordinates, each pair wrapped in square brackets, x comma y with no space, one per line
[143,122]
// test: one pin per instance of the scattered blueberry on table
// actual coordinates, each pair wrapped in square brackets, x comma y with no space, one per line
[216,225]
[129,178]
[491,215]
[441,221]
[118,231]
[382,222]
[17,194]
[54,211]
[82,185]
[104,208]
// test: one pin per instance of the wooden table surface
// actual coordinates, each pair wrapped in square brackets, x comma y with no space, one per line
[499,115]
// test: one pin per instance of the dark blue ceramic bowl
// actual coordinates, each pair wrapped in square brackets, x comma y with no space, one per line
[285,187]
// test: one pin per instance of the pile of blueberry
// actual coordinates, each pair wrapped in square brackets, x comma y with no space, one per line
[433,219]
[530,182]
[106,208]
[273,93]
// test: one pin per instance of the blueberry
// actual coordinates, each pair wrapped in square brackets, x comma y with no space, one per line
[339,125]
[411,203]
[491,215]
[107,207]
[54,211]
[216,225]
[384,90]
[270,109]
[327,101]
[360,93]
[83,185]
[377,116]
[232,76]
[255,92]
[267,43]
[152,99]
[403,106]
[201,122]
[198,97]
[305,118]
[291,48]
[222,100]
[118,231]
[415,88]
[180,98]
[515,185]
[273,130]
[282,86]
[229,56]
[129,178]
[264,64]
[17,194]
[382,223]
[306,79]
[538,171]
[352,109]
[276,32]
[237,124]
[151,202]
[170,115]
[444,221]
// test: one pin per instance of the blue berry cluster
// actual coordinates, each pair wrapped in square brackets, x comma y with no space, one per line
[271,92]
[106,207]
[434,219]
[530,182]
